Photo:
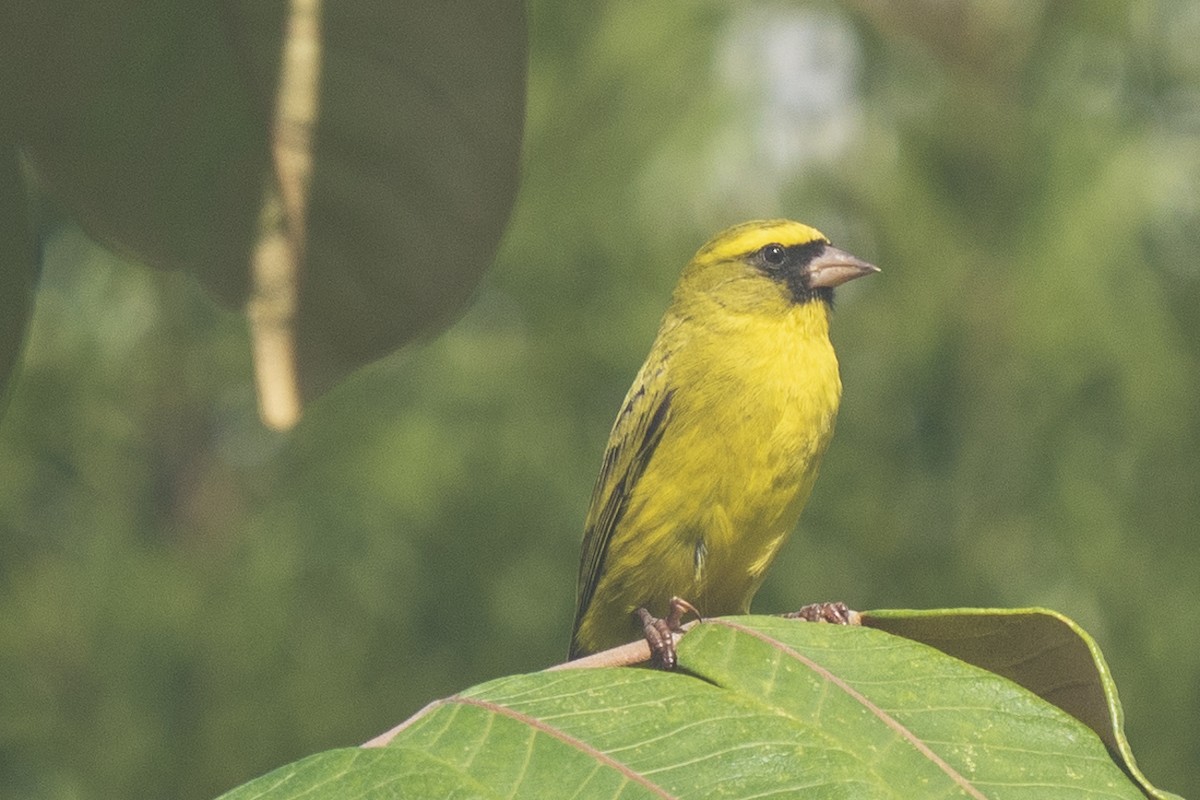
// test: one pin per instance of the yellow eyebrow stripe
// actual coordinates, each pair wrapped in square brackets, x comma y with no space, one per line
[749,237]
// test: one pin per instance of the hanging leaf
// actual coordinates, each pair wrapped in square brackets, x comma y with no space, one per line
[18,267]
[344,171]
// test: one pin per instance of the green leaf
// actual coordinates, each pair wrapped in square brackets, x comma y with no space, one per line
[1039,649]
[761,706]
[346,169]
[352,773]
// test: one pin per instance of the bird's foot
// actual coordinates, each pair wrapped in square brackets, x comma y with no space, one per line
[659,631]
[837,613]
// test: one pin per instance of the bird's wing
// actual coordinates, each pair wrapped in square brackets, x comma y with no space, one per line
[631,444]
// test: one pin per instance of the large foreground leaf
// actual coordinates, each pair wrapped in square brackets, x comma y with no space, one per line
[1039,649]
[343,169]
[762,706]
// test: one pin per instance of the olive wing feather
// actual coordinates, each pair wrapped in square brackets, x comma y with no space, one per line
[635,435]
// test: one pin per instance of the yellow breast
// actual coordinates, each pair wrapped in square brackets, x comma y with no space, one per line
[738,459]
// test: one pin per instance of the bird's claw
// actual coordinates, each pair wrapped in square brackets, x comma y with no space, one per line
[659,631]
[837,613]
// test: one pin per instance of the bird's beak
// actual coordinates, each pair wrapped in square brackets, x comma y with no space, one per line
[834,267]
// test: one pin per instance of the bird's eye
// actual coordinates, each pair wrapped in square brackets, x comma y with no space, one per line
[773,254]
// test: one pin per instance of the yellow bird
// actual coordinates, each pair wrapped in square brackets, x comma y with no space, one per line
[716,447]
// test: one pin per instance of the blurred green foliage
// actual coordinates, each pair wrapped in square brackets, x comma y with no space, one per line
[187,600]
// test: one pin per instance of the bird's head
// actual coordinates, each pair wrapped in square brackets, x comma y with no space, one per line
[768,265]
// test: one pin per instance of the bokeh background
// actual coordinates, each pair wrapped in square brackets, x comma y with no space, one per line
[188,600]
